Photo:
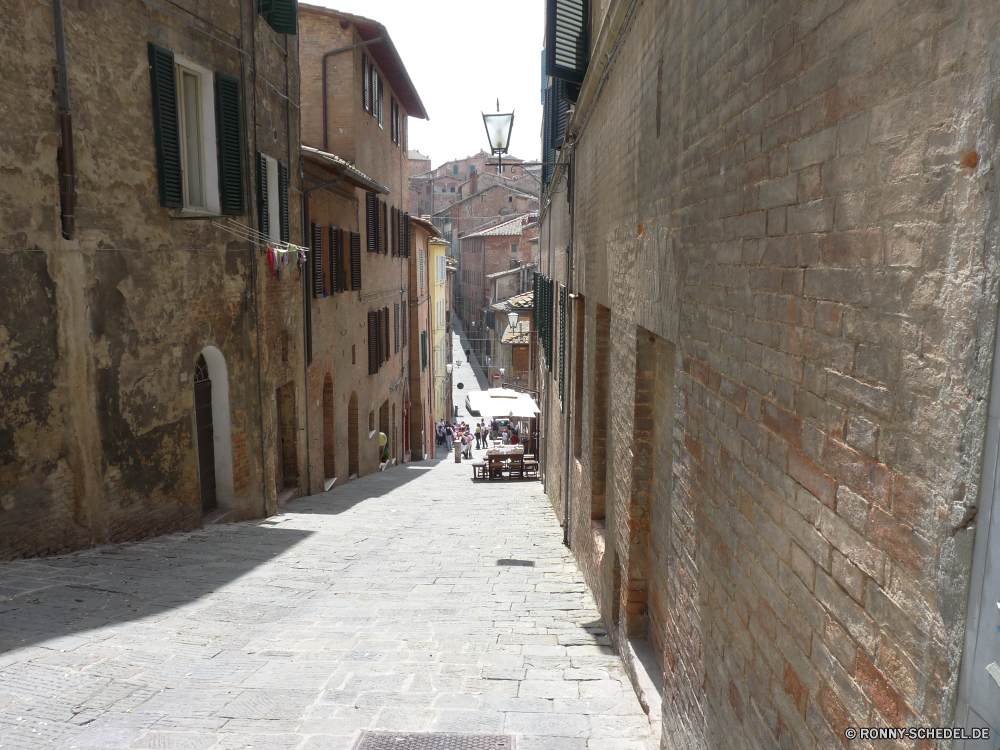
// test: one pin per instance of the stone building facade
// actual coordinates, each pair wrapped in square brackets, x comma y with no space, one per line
[144,338]
[421,364]
[485,253]
[440,338]
[768,279]
[478,211]
[360,238]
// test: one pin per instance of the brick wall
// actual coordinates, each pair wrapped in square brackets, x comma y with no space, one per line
[803,233]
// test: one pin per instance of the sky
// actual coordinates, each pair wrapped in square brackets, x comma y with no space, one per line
[462,55]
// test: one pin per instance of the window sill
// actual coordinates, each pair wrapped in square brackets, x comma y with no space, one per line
[195,214]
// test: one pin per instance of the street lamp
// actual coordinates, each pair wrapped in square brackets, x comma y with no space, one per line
[448,368]
[498,127]
[512,319]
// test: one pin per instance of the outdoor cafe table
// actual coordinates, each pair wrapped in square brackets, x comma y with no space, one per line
[505,450]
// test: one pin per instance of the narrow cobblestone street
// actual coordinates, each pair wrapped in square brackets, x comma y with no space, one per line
[409,600]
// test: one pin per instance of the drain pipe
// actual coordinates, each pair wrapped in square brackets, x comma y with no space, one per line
[570,296]
[326,124]
[64,158]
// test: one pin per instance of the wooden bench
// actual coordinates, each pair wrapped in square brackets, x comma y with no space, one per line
[479,470]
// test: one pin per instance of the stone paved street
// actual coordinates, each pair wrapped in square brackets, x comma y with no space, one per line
[378,605]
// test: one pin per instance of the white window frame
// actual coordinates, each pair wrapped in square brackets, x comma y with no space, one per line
[209,147]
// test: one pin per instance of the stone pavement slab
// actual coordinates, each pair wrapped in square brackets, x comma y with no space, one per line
[377,605]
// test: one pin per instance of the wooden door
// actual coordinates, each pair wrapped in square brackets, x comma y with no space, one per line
[205,434]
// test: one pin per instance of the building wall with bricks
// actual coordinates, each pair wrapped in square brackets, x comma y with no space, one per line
[422,442]
[482,209]
[363,404]
[771,435]
[101,337]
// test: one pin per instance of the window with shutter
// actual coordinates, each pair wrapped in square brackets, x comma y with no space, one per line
[384,229]
[282,15]
[548,115]
[423,350]
[381,120]
[334,273]
[373,83]
[392,118]
[406,333]
[283,201]
[380,337]
[386,339]
[408,236]
[560,108]
[373,361]
[395,229]
[366,94]
[566,39]
[318,282]
[229,132]
[395,325]
[371,222]
[263,210]
[355,261]
[162,78]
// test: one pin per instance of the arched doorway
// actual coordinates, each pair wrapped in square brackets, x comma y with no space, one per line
[329,436]
[352,436]
[212,430]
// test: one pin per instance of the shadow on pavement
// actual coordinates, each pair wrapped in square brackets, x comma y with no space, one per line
[53,599]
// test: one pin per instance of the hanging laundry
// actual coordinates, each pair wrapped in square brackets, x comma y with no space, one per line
[272,260]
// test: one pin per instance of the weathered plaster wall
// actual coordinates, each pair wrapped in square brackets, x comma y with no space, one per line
[97,353]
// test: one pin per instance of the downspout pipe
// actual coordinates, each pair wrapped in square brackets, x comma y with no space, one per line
[64,159]
[326,124]
[570,295]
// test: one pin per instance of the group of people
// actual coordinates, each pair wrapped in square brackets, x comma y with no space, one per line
[480,433]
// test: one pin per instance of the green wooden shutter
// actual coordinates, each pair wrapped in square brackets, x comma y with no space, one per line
[336,259]
[229,133]
[283,201]
[263,215]
[566,43]
[387,331]
[371,222]
[423,349]
[548,118]
[373,334]
[395,325]
[318,287]
[405,330]
[364,83]
[384,229]
[355,261]
[283,16]
[165,127]
[560,108]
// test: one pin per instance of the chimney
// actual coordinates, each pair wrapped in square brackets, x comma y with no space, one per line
[474,183]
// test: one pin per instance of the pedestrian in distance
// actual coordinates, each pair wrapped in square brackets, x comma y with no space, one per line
[479,436]
[449,436]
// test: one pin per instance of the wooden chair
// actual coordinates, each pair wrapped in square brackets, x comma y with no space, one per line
[531,469]
[496,467]
[479,470]
[515,467]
